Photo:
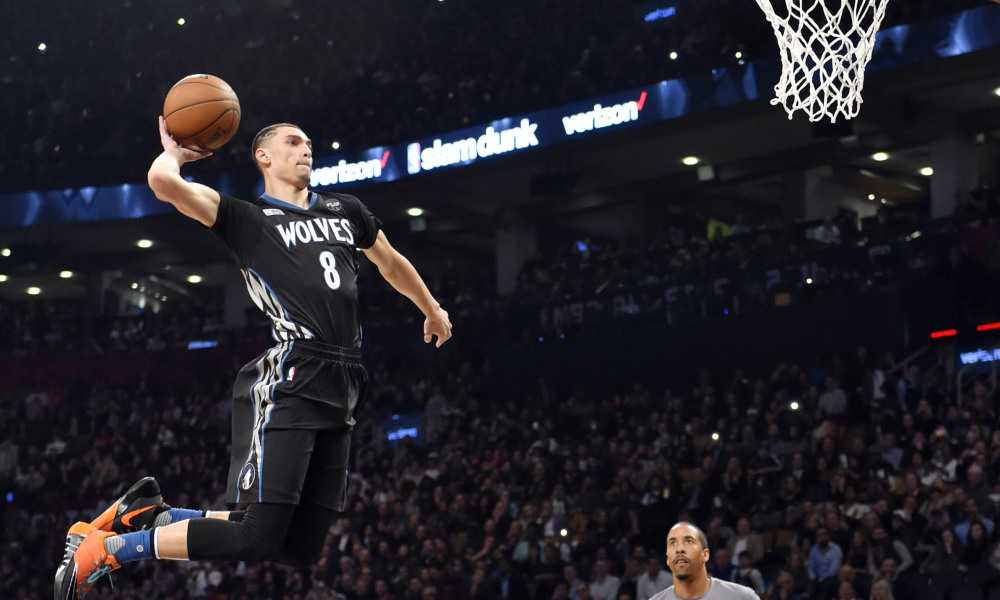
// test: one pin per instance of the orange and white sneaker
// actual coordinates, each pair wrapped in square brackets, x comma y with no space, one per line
[136,510]
[85,561]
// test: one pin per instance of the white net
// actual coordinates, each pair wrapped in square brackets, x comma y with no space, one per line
[825,47]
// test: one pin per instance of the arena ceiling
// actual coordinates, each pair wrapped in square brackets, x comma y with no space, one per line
[606,187]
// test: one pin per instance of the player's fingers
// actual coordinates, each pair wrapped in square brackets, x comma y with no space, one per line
[444,336]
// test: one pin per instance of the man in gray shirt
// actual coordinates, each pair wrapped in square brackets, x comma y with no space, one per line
[654,580]
[687,555]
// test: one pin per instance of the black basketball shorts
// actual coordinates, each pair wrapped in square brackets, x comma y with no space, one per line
[293,413]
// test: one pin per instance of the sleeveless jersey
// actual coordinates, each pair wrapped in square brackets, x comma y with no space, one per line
[301,266]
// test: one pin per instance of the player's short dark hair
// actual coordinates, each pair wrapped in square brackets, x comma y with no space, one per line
[263,135]
[701,534]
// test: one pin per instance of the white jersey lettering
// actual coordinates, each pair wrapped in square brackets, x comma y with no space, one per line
[316,230]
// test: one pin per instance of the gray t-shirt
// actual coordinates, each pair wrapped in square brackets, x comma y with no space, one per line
[719,590]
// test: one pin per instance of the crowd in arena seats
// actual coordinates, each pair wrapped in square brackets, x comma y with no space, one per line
[82,111]
[854,476]
[556,494]
[698,269]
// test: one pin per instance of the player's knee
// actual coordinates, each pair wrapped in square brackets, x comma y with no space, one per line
[259,544]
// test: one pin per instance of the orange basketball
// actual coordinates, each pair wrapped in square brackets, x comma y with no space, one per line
[202,112]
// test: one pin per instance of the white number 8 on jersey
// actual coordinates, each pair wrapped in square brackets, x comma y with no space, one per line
[330,274]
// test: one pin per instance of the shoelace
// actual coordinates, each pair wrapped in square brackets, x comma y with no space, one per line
[92,578]
[105,570]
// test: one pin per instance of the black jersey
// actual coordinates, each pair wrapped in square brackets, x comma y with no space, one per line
[301,265]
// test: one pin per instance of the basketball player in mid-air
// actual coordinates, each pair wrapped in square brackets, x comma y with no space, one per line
[293,406]
[687,555]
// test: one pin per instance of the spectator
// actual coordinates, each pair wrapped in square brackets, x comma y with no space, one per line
[630,579]
[825,557]
[561,591]
[890,453]
[783,588]
[604,585]
[942,566]
[512,582]
[975,559]
[904,585]
[882,590]
[747,574]
[846,591]
[883,547]
[654,580]
[572,581]
[977,489]
[745,539]
[832,402]
[721,565]
[860,583]
[859,551]
[972,515]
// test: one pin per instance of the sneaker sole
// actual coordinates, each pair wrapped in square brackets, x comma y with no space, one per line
[64,586]
[145,487]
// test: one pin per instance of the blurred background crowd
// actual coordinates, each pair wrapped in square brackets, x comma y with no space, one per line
[867,473]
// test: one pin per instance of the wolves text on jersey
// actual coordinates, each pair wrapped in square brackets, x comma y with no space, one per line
[316,230]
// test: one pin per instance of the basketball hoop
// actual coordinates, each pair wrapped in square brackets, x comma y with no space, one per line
[825,46]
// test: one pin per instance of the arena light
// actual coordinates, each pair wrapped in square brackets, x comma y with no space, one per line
[181,21]
[880,156]
[144,243]
[34,291]
[335,145]
[690,160]
[997,91]
[943,333]
[927,171]
[5,252]
[42,47]
[65,274]
[987,326]
[3,278]
[673,56]
[416,211]
[871,196]
[194,278]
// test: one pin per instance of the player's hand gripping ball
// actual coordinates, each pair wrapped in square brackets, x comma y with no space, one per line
[202,112]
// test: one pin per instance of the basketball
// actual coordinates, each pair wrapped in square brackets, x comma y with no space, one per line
[202,112]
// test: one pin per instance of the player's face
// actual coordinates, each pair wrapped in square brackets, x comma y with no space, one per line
[685,554]
[290,154]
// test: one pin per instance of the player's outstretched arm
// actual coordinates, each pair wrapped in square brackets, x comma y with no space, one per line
[195,200]
[401,275]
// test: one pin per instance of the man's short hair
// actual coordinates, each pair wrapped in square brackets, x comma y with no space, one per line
[701,534]
[263,135]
